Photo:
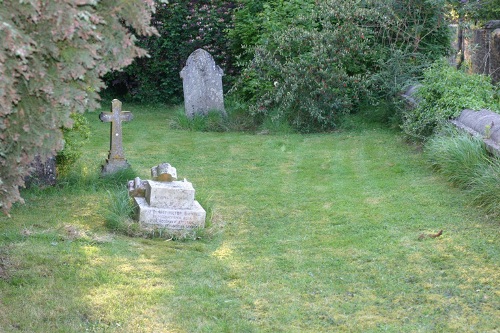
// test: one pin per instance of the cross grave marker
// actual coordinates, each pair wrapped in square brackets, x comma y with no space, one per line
[116,159]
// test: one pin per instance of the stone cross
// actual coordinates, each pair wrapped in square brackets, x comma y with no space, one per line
[116,159]
[202,84]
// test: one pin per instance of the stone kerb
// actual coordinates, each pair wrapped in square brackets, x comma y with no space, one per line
[483,124]
[202,84]
[409,96]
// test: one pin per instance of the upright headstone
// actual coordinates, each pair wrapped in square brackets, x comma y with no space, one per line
[116,159]
[202,84]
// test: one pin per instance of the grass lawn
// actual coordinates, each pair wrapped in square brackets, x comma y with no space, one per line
[307,233]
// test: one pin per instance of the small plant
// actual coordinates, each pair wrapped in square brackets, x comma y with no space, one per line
[236,119]
[487,131]
[119,213]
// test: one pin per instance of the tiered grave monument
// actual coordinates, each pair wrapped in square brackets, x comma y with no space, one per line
[166,203]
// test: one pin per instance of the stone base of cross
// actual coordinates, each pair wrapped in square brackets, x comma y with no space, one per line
[113,166]
[116,160]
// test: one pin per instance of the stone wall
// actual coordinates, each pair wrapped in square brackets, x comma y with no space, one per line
[482,50]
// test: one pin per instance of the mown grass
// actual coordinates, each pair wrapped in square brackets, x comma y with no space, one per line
[307,233]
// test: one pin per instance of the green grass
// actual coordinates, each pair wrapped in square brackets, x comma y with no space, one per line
[307,233]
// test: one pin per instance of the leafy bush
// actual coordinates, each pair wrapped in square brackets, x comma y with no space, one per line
[310,73]
[256,21]
[313,62]
[465,162]
[412,35]
[444,93]
[395,74]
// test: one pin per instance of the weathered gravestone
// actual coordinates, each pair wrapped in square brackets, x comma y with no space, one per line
[165,203]
[116,159]
[484,124]
[202,84]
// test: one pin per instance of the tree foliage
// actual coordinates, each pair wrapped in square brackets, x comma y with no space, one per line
[475,11]
[52,55]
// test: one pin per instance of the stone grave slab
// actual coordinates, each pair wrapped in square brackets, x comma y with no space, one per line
[166,204]
[175,194]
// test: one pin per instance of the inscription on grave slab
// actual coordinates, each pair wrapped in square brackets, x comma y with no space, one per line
[172,219]
[116,158]
[202,84]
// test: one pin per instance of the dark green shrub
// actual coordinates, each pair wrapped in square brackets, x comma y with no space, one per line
[255,22]
[413,35]
[444,93]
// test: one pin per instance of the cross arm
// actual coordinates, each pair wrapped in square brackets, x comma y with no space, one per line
[105,117]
